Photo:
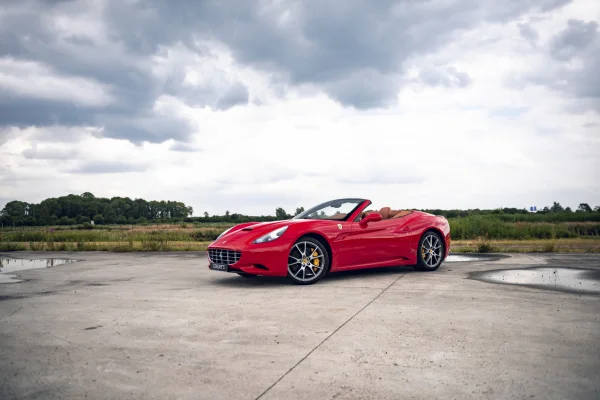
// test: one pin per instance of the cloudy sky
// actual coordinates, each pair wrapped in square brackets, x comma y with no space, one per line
[250,105]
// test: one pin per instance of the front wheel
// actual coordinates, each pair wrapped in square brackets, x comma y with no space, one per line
[308,261]
[431,252]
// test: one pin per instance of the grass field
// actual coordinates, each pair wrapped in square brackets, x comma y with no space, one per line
[482,235]
[578,245]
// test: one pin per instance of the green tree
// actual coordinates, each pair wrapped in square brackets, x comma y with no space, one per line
[99,219]
[82,219]
[556,207]
[110,215]
[281,214]
[584,207]
[299,210]
[14,212]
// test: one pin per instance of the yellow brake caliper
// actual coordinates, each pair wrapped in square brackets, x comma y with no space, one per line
[316,261]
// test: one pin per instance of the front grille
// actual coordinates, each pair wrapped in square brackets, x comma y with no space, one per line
[223,256]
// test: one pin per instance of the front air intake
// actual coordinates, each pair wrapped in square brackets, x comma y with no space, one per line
[224,256]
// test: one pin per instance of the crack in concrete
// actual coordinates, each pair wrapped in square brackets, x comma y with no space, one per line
[328,337]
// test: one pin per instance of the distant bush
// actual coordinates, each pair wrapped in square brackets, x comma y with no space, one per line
[67,221]
[36,246]
[494,227]
[10,246]
[86,225]
[549,247]
[82,219]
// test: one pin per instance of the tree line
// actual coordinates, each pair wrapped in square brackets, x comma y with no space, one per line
[556,208]
[85,208]
[78,209]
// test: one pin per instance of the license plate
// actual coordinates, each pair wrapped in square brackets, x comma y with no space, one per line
[219,267]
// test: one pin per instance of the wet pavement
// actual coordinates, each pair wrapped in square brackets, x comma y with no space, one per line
[471,257]
[574,280]
[10,264]
[163,326]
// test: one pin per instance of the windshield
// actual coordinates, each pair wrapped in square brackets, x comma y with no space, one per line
[332,210]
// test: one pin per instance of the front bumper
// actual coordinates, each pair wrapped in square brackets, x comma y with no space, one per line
[269,259]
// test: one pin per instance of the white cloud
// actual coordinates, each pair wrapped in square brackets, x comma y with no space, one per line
[499,140]
[35,80]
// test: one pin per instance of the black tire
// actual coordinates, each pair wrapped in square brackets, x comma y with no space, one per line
[429,255]
[245,275]
[299,263]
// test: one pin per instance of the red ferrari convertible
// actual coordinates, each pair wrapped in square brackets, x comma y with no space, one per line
[338,235]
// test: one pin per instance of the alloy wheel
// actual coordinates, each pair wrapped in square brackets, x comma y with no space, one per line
[306,261]
[431,250]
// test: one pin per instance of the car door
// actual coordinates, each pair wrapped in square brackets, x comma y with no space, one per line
[381,242]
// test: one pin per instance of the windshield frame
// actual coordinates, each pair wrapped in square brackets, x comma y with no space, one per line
[359,203]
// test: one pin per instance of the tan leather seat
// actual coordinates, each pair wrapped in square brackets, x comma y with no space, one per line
[386,213]
[402,213]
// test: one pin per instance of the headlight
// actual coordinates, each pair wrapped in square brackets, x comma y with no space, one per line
[223,234]
[271,235]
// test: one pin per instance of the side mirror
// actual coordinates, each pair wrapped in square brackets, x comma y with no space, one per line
[371,217]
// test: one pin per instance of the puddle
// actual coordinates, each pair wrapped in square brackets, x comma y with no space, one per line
[461,258]
[9,278]
[573,280]
[10,265]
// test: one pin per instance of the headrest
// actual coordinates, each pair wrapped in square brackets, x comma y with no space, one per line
[385,212]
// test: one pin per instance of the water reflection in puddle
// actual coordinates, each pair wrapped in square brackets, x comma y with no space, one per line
[461,258]
[8,265]
[573,280]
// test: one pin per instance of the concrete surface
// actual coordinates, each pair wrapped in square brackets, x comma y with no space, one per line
[162,326]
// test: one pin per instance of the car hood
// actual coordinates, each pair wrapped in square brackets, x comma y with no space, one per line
[256,229]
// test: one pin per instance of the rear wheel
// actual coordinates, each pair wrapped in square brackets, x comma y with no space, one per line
[431,252]
[308,261]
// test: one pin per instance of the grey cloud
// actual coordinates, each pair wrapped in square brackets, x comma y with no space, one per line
[574,39]
[364,89]
[184,147]
[235,95]
[52,153]
[24,112]
[579,39]
[354,52]
[107,167]
[528,33]
[145,127]
[549,5]
[446,76]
